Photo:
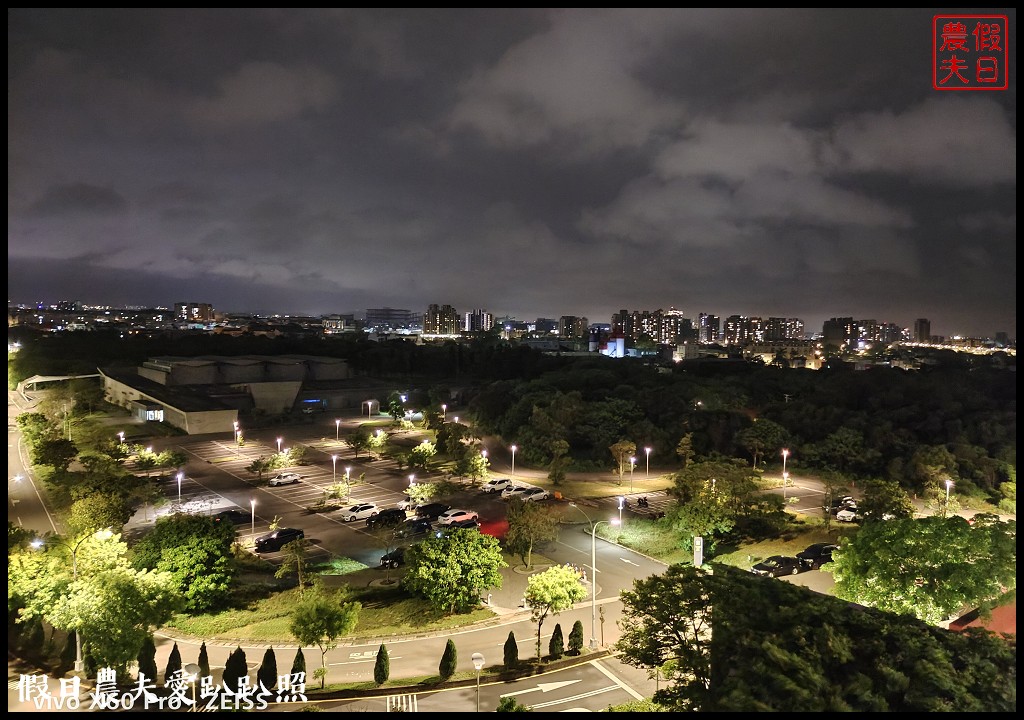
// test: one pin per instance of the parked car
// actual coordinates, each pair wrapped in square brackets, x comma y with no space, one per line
[816,555]
[412,527]
[444,530]
[495,485]
[456,515]
[777,565]
[431,511]
[359,512]
[234,517]
[848,514]
[272,542]
[514,490]
[393,559]
[285,478]
[534,493]
[388,517]
[842,502]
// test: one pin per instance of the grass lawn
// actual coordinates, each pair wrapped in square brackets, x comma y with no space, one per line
[263,615]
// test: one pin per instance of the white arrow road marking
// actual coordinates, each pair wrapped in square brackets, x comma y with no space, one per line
[628,561]
[543,687]
[574,697]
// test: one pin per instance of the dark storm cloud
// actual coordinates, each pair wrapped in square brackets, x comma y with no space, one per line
[76,199]
[532,162]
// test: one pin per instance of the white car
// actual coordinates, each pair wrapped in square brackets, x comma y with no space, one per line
[495,485]
[515,490]
[359,512]
[455,515]
[848,514]
[534,493]
[285,478]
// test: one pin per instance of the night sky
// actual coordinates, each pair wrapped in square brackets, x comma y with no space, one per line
[535,163]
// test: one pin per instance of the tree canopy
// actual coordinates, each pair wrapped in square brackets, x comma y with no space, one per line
[931,568]
[802,651]
[453,570]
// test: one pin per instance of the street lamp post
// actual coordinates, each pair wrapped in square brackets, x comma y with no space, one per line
[456,419]
[102,535]
[444,411]
[785,475]
[180,477]
[632,464]
[252,503]
[279,445]
[334,469]
[120,436]
[478,664]
[647,451]
[593,572]
[945,510]
[514,448]
[348,471]
[621,501]
[337,430]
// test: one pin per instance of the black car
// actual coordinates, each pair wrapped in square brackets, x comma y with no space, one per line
[841,503]
[413,526]
[272,542]
[432,511]
[393,559]
[777,565]
[816,555]
[232,517]
[390,517]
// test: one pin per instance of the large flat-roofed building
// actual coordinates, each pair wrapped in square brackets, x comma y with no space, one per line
[207,394]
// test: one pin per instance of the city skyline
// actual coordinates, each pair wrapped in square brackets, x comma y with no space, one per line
[778,163]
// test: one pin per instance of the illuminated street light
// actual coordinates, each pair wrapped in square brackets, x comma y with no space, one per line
[120,435]
[334,462]
[632,464]
[348,471]
[593,572]
[337,430]
[949,484]
[456,419]
[622,501]
[279,445]
[444,411]
[647,451]
[180,477]
[785,475]
[514,448]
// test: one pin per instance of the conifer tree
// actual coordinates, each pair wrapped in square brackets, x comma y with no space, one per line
[556,646]
[382,667]
[511,652]
[147,660]
[576,639]
[173,663]
[449,660]
[266,676]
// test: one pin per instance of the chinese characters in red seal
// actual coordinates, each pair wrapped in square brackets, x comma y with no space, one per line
[969,52]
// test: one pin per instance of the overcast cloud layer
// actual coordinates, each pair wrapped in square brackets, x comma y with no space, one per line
[535,163]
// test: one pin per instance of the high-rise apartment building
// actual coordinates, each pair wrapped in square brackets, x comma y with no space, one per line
[665,327]
[571,326]
[840,331]
[740,330]
[922,330]
[441,320]
[708,328]
[477,321]
[194,312]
